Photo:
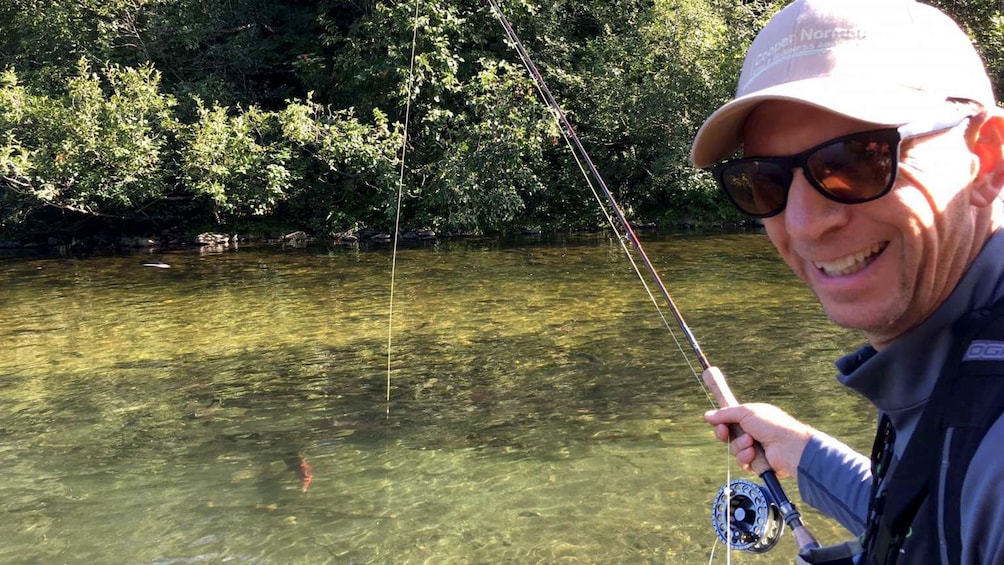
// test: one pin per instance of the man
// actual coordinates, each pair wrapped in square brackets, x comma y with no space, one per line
[872,146]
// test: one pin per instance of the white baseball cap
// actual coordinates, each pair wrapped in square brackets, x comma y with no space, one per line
[887,62]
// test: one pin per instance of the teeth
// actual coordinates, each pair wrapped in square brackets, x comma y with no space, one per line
[850,264]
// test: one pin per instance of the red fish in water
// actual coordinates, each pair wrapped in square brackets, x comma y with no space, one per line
[303,470]
[306,474]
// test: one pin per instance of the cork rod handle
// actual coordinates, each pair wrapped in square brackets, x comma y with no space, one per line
[715,380]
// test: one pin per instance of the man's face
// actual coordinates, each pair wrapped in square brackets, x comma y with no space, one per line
[881,266]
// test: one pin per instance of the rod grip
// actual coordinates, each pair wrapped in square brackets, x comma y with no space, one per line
[715,381]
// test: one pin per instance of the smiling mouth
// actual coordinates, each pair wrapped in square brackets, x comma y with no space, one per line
[850,264]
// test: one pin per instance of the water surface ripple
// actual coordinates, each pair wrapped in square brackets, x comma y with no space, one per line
[232,407]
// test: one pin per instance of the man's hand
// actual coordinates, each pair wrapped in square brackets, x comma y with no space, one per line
[782,437]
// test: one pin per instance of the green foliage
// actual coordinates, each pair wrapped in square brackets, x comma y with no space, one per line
[493,154]
[96,148]
[479,136]
[239,162]
[227,111]
[354,165]
[44,39]
[984,20]
[254,163]
[646,79]
[700,45]
[230,51]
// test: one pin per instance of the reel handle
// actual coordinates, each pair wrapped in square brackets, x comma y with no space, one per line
[715,380]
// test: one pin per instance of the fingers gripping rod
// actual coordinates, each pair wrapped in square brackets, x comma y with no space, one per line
[715,381]
[713,377]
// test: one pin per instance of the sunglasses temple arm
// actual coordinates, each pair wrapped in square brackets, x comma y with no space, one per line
[966,109]
[715,381]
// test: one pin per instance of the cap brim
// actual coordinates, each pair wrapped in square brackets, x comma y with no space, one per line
[721,134]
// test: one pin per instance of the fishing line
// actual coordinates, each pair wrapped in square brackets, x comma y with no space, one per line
[763,539]
[400,192]
[728,501]
[622,241]
[607,202]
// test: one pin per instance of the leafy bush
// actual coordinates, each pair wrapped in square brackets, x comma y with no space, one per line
[96,148]
[173,112]
[239,163]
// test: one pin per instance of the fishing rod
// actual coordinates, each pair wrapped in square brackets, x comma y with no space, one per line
[745,515]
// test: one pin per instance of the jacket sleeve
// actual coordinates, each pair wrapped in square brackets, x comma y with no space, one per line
[836,480]
[982,519]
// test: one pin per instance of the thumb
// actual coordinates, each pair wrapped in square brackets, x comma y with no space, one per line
[727,416]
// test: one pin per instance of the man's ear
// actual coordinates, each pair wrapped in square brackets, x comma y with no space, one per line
[989,150]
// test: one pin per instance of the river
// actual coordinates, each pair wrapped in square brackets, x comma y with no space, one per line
[233,406]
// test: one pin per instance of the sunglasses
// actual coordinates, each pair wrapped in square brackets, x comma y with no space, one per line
[850,169]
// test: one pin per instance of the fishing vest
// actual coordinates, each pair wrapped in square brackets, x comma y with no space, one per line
[921,499]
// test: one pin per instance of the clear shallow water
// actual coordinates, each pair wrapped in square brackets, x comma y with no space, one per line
[539,411]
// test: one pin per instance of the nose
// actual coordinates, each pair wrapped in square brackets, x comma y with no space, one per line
[808,214]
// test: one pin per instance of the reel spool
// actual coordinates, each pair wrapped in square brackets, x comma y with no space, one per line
[745,517]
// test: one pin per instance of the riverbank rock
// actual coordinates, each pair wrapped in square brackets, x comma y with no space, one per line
[419,234]
[209,238]
[345,237]
[296,239]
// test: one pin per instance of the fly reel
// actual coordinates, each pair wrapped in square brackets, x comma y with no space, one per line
[745,517]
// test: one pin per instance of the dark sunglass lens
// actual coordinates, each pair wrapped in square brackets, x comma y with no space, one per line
[854,169]
[758,188]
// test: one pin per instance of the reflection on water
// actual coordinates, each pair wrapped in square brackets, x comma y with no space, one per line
[233,406]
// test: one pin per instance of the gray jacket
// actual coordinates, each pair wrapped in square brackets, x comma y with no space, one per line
[898,380]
